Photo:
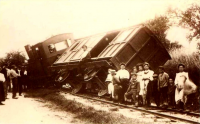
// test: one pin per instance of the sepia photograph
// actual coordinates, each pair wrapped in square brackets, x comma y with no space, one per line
[99,61]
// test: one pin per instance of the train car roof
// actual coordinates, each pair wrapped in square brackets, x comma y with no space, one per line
[132,40]
[74,52]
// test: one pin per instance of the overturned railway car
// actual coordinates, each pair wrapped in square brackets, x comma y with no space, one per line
[131,46]
[44,54]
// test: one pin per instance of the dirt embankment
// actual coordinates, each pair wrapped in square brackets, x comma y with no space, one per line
[81,110]
[89,111]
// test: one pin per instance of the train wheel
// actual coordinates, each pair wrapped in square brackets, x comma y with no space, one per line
[102,92]
[77,88]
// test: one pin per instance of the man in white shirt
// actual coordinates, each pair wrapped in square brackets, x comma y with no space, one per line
[9,81]
[124,77]
[14,77]
[147,76]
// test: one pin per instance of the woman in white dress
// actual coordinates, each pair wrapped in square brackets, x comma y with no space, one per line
[184,86]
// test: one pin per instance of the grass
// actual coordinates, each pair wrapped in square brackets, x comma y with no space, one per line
[191,60]
[84,113]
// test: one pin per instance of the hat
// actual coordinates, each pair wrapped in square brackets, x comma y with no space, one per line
[181,64]
[122,64]
[134,74]
[155,75]
[112,70]
[146,63]
[161,67]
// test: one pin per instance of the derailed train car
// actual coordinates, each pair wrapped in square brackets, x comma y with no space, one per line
[131,46]
[43,54]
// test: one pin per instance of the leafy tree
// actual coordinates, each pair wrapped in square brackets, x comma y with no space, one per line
[14,57]
[159,25]
[190,19]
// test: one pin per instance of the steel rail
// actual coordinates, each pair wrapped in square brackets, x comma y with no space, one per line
[172,118]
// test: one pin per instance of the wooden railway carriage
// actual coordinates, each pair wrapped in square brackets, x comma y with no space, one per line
[131,46]
[70,59]
[43,54]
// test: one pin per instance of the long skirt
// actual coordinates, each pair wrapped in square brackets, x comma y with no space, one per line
[179,95]
[2,93]
[111,89]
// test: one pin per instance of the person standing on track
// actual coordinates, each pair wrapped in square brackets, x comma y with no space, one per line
[147,76]
[184,86]
[139,79]
[171,93]
[124,77]
[155,93]
[110,84]
[163,79]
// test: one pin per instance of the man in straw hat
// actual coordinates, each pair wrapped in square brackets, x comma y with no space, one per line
[147,75]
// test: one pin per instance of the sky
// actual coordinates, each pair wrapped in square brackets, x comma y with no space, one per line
[25,22]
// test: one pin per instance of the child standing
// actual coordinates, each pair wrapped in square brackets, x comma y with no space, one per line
[133,89]
[110,84]
[171,93]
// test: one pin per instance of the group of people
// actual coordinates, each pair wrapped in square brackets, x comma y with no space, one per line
[12,79]
[142,86]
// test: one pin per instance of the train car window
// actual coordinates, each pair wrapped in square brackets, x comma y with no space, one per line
[60,46]
[123,35]
[51,48]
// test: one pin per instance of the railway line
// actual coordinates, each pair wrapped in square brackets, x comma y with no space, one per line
[169,115]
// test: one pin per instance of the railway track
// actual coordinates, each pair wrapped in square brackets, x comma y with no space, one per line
[161,113]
